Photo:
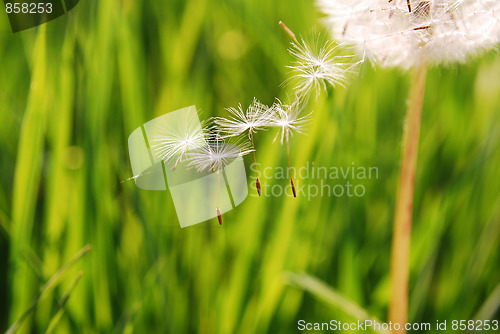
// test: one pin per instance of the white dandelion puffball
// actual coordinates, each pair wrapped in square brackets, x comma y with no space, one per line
[402,33]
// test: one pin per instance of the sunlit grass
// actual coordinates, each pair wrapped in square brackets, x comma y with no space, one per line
[72,92]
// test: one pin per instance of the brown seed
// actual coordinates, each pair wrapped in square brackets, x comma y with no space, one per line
[293,188]
[219,216]
[257,184]
[422,28]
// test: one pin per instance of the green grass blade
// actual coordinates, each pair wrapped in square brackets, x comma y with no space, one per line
[59,311]
[47,287]
[329,295]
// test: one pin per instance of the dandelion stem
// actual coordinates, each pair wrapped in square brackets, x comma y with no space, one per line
[290,167]
[401,238]
[253,148]
[257,182]
[289,32]
[219,215]
[288,154]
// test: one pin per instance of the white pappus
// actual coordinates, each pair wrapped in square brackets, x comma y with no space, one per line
[403,33]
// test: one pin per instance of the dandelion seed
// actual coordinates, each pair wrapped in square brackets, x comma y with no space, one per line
[174,140]
[314,69]
[219,216]
[404,33]
[293,188]
[214,156]
[289,119]
[256,117]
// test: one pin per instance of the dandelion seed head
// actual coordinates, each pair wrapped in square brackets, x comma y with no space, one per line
[401,33]
[315,67]
[217,153]
[173,140]
[255,118]
[289,119]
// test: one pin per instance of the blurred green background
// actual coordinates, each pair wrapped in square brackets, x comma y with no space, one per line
[72,91]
